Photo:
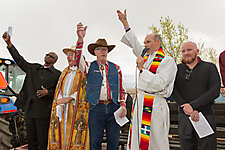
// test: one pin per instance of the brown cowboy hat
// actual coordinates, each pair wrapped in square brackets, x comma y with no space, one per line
[65,50]
[100,42]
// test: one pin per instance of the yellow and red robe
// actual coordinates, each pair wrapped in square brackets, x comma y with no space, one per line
[75,115]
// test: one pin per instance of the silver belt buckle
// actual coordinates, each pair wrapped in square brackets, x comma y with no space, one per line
[106,102]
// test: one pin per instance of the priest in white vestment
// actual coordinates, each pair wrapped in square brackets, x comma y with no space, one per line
[158,85]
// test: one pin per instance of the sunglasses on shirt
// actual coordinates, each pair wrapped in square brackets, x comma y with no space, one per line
[188,74]
[50,56]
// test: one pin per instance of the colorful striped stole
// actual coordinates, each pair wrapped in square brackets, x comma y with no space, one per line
[148,105]
[131,120]
[146,57]
[146,121]
[157,60]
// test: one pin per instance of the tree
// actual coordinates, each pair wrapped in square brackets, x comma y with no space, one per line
[208,53]
[173,36]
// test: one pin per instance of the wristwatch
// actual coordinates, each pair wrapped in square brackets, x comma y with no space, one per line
[142,70]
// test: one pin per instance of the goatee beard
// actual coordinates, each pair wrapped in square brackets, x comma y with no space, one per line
[190,61]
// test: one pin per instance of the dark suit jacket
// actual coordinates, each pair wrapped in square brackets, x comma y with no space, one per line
[36,76]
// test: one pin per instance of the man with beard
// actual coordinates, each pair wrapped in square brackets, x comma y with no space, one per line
[196,87]
[36,96]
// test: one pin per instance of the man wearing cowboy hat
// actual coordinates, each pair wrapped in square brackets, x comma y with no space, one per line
[105,91]
[70,98]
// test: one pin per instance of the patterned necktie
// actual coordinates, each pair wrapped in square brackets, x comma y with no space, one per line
[102,68]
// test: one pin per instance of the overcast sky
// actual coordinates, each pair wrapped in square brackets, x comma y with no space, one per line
[41,26]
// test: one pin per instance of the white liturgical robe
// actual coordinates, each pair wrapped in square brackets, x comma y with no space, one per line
[159,85]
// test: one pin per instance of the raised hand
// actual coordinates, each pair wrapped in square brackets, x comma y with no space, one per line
[81,31]
[123,17]
[6,38]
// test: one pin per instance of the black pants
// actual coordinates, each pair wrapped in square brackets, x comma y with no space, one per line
[189,140]
[37,132]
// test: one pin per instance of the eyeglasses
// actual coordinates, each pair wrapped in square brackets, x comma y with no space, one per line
[188,74]
[69,55]
[50,56]
[102,49]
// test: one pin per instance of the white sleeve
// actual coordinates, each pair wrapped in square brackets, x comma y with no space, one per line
[83,65]
[74,96]
[131,40]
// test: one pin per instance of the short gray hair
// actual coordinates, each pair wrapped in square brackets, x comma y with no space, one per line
[158,37]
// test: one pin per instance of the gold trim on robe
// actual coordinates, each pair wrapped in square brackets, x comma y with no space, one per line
[77,132]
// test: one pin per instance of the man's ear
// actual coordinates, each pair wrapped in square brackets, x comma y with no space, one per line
[197,51]
[158,43]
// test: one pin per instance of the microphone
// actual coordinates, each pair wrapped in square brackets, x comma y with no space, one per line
[143,52]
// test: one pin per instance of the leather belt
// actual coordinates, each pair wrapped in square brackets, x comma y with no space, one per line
[106,102]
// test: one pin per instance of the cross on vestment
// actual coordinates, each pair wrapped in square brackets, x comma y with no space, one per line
[145,130]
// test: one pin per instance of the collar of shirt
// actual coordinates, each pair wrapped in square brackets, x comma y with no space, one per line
[73,68]
[149,60]
[154,53]
[150,56]
[47,68]
[106,63]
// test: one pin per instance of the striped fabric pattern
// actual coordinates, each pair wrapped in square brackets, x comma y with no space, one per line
[146,121]
[148,105]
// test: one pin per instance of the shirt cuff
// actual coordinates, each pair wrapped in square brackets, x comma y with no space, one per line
[80,44]
[123,103]
[128,29]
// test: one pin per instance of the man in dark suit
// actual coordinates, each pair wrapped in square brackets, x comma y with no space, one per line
[36,95]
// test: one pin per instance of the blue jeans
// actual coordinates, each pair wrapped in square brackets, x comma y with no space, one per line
[101,117]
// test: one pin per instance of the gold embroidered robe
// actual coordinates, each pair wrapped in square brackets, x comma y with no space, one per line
[77,133]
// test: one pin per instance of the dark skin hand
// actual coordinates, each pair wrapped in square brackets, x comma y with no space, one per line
[6,38]
[41,93]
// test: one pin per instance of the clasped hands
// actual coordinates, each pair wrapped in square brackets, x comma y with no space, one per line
[188,110]
[64,101]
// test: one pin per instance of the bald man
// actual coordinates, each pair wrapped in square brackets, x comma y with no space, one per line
[150,121]
[36,96]
[196,87]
